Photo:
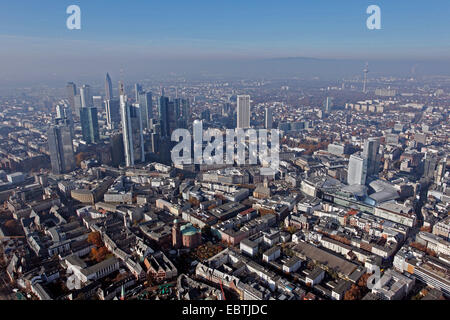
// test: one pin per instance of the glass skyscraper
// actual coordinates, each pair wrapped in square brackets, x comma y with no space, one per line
[146,105]
[61,147]
[133,139]
[89,125]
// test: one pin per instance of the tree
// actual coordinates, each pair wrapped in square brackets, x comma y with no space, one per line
[354,293]
[363,280]
[99,254]
[95,239]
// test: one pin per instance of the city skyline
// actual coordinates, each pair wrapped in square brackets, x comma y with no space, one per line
[209,35]
[183,151]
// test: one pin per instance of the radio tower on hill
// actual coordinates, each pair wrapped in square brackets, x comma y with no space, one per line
[365,71]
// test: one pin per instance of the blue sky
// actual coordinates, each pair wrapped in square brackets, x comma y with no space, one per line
[128,34]
[244,27]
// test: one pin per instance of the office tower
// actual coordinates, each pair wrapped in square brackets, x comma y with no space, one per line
[86,96]
[97,102]
[154,139]
[440,171]
[89,125]
[357,170]
[137,91]
[60,147]
[146,105]
[163,107]
[117,149]
[108,88]
[112,113]
[429,166]
[226,109]
[269,118]
[78,105]
[172,117]
[370,153]
[121,89]
[243,111]
[133,139]
[182,112]
[60,111]
[365,71]
[71,93]
[328,104]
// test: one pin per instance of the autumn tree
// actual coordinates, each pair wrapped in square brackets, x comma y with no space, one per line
[99,254]
[354,293]
[95,239]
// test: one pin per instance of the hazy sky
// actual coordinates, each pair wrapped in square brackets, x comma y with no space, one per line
[34,38]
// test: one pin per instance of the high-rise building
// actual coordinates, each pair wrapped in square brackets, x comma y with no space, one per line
[108,88]
[370,152]
[269,118]
[163,111]
[365,72]
[429,166]
[440,171]
[78,106]
[357,170]
[60,111]
[226,109]
[89,125]
[97,102]
[137,91]
[146,105]
[182,112]
[61,147]
[243,111]
[112,113]
[121,89]
[133,139]
[328,104]
[71,93]
[86,96]
[117,149]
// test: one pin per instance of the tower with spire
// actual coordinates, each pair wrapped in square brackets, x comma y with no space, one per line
[365,71]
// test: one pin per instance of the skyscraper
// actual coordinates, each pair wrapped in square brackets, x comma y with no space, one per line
[112,113]
[357,170]
[117,149]
[269,118]
[429,166]
[137,91]
[60,111]
[121,89]
[328,104]
[78,106]
[86,96]
[243,111]
[108,88]
[71,93]
[182,112]
[365,72]
[133,139]
[146,105]
[370,153]
[163,110]
[60,147]
[89,125]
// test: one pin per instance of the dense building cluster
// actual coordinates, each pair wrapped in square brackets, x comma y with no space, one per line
[94,208]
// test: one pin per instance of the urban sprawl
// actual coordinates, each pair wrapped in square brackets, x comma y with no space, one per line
[92,206]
